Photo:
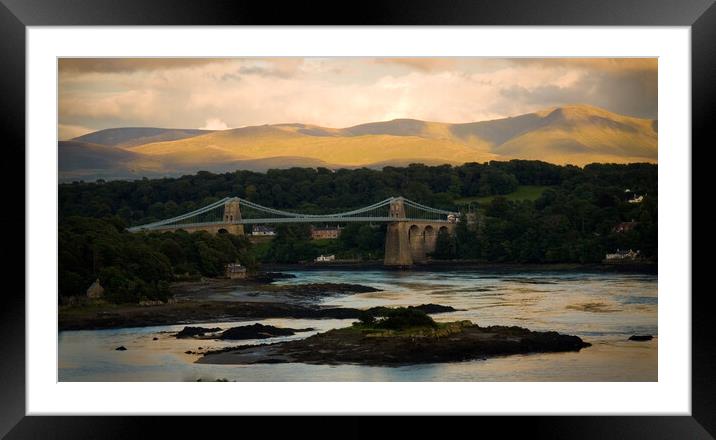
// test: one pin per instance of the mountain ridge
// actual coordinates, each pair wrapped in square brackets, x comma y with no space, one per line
[574,134]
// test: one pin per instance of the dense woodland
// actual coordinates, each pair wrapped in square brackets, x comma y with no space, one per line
[572,220]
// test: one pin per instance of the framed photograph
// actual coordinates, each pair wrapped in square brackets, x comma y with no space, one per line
[417,210]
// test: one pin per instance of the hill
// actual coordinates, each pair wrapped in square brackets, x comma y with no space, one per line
[576,134]
[84,160]
[131,136]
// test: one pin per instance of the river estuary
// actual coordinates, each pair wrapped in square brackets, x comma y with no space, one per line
[604,309]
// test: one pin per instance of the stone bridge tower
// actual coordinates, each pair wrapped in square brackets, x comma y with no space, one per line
[410,241]
[232,214]
[397,246]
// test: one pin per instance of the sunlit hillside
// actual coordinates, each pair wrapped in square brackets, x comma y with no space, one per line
[577,134]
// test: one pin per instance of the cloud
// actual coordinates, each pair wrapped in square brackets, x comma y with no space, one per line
[611,65]
[426,64]
[125,65]
[545,95]
[631,92]
[121,105]
[215,124]
[615,65]
[343,91]
[65,132]
[279,68]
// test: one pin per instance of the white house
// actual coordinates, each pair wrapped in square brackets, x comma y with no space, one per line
[325,258]
[235,271]
[622,255]
[636,199]
[263,230]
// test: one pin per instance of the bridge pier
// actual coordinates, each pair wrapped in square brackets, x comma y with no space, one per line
[397,240]
[410,241]
[416,238]
[397,245]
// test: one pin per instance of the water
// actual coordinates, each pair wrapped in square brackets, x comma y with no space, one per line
[603,309]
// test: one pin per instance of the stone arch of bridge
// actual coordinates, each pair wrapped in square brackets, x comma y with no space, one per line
[430,239]
[416,240]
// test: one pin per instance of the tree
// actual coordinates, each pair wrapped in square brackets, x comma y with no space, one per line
[444,246]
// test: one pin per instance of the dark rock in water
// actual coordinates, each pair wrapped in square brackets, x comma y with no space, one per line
[190,332]
[449,342]
[322,289]
[273,361]
[641,338]
[121,348]
[270,277]
[425,308]
[258,331]
[433,308]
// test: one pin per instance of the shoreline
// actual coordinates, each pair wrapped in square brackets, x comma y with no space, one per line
[205,301]
[189,312]
[202,302]
[134,316]
[472,265]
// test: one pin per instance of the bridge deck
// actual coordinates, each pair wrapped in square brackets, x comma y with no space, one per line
[255,221]
[236,211]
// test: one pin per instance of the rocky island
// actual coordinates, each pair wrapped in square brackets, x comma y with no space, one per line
[397,337]
[254,331]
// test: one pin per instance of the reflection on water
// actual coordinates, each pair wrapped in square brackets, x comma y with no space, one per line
[603,309]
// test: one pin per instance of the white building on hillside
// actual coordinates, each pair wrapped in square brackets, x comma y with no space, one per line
[636,199]
[325,258]
[263,230]
[620,255]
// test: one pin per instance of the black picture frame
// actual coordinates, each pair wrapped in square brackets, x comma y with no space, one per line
[16,15]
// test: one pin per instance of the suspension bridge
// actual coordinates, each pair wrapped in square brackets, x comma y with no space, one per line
[411,234]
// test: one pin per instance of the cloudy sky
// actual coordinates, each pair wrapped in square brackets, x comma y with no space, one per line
[207,93]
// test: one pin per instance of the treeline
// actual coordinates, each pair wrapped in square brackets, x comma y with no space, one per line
[322,190]
[574,219]
[577,225]
[134,267]
[357,241]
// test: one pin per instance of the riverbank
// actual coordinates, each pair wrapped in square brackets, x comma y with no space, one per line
[108,316]
[205,301]
[650,268]
[218,299]
[262,289]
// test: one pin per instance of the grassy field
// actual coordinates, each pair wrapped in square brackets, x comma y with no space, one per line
[523,192]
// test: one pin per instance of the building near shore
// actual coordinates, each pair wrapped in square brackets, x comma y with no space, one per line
[622,256]
[636,199]
[235,271]
[96,290]
[325,258]
[327,232]
[264,231]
